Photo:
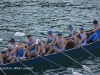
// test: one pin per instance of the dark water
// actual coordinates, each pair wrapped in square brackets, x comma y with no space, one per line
[35,17]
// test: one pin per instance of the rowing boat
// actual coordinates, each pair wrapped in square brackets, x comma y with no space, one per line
[38,63]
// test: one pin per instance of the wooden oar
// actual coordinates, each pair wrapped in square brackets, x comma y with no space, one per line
[84,66]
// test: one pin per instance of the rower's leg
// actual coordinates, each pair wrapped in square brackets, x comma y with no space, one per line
[51,50]
[42,50]
[96,38]
[29,55]
[39,50]
[10,58]
[76,40]
[68,42]
[91,37]
[47,47]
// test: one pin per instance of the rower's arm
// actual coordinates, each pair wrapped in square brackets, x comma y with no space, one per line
[96,29]
[46,41]
[8,49]
[63,44]
[14,51]
[29,47]
[53,40]
[74,33]
[77,34]
[1,57]
[83,38]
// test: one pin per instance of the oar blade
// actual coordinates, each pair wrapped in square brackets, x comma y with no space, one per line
[1,39]
[19,34]
[76,73]
[86,68]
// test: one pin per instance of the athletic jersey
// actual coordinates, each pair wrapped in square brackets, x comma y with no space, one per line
[83,42]
[60,42]
[30,43]
[71,33]
[50,39]
[20,52]
[11,47]
[98,31]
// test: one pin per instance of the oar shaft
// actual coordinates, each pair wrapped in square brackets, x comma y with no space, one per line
[25,66]
[52,62]
[3,72]
[71,58]
[89,52]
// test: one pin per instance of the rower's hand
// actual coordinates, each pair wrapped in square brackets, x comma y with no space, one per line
[80,43]
[89,32]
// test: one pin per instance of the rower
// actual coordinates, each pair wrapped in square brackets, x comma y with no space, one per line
[41,47]
[50,40]
[96,32]
[80,38]
[9,50]
[31,47]
[20,52]
[72,32]
[59,44]
[1,59]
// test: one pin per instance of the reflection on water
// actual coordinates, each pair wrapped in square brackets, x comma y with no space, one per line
[36,17]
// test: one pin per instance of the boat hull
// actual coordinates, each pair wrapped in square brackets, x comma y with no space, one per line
[38,64]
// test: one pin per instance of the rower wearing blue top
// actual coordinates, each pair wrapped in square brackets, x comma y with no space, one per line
[1,59]
[59,44]
[30,42]
[50,40]
[41,47]
[32,49]
[96,32]
[81,40]
[10,49]
[20,51]
[72,33]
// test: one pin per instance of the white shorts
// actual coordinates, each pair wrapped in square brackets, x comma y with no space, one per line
[22,58]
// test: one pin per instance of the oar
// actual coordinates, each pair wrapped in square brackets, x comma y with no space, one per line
[84,66]
[89,52]
[3,71]
[25,66]
[75,73]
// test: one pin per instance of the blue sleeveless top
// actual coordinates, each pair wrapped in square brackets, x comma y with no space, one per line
[98,31]
[20,52]
[50,39]
[11,48]
[30,43]
[70,33]
[60,42]
[81,35]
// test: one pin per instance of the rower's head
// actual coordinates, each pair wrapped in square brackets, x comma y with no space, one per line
[29,37]
[38,41]
[12,41]
[20,42]
[50,33]
[59,35]
[95,22]
[70,27]
[81,30]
